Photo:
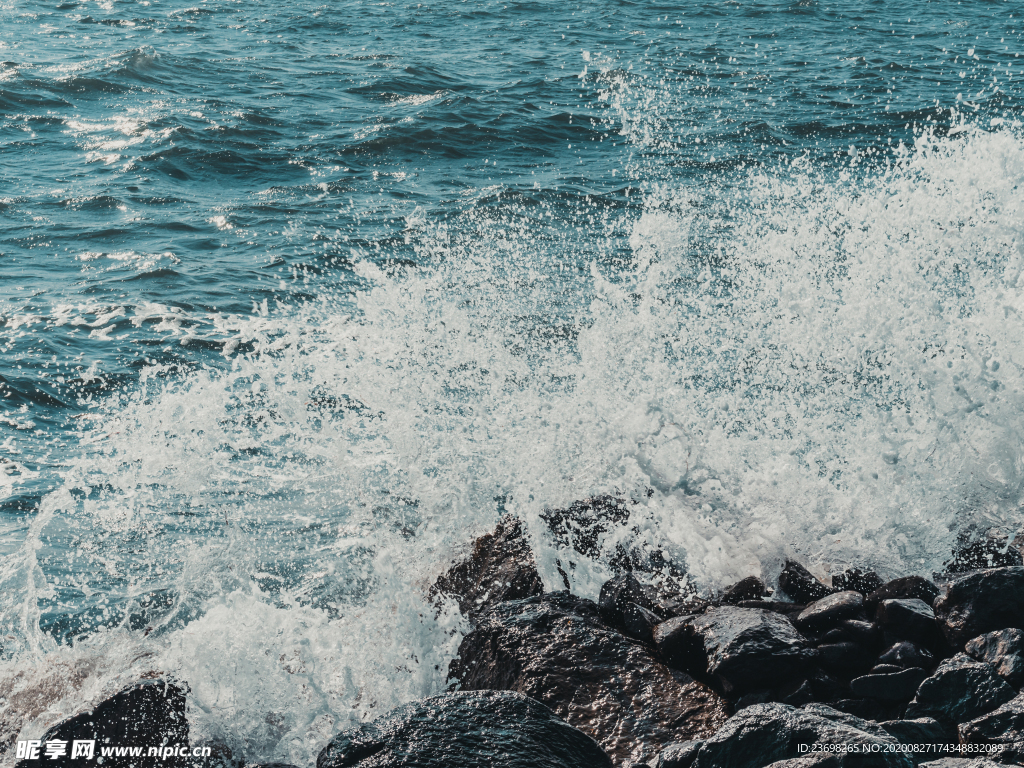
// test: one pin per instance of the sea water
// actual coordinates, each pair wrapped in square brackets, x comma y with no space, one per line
[297,299]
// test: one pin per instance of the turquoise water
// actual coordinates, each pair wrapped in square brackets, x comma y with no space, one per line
[296,300]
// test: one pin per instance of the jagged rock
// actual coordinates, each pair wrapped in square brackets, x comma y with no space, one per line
[867,633]
[639,623]
[501,567]
[846,659]
[923,730]
[581,525]
[992,549]
[619,592]
[893,686]
[797,582]
[750,588]
[908,619]
[906,654]
[982,602]
[762,734]
[465,729]
[148,714]
[960,690]
[678,755]
[906,588]
[830,610]
[1003,725]
[743,648]
[1004,650]
[856,579]
[556,649]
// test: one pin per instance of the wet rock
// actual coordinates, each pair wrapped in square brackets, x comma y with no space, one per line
[618,592]
[856,579]
[581,525]
[1003,725]
[908,619]
[679,755]
[639,623]
[991,549]
[796,694]
[818,760]
[556,649]
[961,689]
[775,606]
[830,610]
[923,730]
[148,714]
[961,762]
[906,588]
[893,686]
[750,588]
[682,605]
[982,602]
[465,729]
[846,659]
[1004,650]
[884,669]
[797,582]
[501,567]
[744,648]
[763,734]
[867,633]
[906,654]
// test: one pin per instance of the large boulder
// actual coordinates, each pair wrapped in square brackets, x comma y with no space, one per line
[960,690]
[1004,650]
[797,582]
[1003,725]
[982,602]
[908,619]
[556,649]
[830,610]
[905,588]
[762,734]
[501,567]
[743,648]
[469,730]
[148,714]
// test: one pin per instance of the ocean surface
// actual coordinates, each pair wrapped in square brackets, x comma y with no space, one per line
[296,299]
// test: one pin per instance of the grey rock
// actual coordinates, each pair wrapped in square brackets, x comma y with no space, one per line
[556,649]
[895,686]
[1004,650]
[960,690]
[763,734]
[961,762]
[501,567]
[984,601]
[746,648]
[467,729]
[678,755]
[923,730]
[908,619]
[830,610]
[797,582]
[1003,725]
[818,760]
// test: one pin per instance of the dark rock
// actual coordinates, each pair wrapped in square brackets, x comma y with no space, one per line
[682,605]
[835,636]
[961,762]
[908,619]
[620,591]
[906,588]
[677,645]
[826,687]
[639,622]
[581,525]
[752,698]
[855,578]
[766,733]
[501,567]
[884,669]
[678,755]
[960,690]
[894,686]
[923,730]
[1004,650]
[830,610]
[1003,725]
[745,648]
[982,602]
[148,714]
[867,633]
[846,659]
[991,549]
[795,694]
[775,606]
[817,760]
[750,588]
[797,582]
[465,729]
[556,649]
[867,709]
[906,654]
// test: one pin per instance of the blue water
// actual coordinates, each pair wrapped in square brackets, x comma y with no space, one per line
[296,299]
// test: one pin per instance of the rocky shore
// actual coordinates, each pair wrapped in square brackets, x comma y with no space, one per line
[859,672]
